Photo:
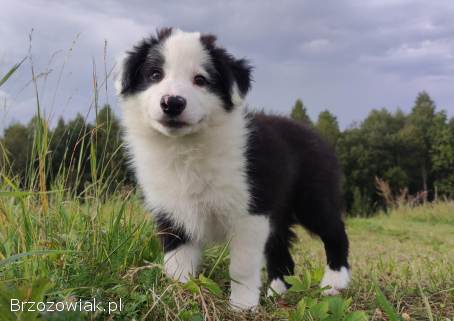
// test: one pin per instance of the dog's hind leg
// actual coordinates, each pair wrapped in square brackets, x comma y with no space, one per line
[279,262]
[337,272]
[325,220]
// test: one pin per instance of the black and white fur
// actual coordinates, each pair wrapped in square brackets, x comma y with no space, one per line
[211,172]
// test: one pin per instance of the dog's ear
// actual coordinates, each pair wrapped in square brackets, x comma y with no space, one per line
[163,33]
[129,75]
[129,69]
[208,40]
[241,70]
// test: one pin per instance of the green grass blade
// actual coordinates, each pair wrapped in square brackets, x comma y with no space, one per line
[11,72]
[17,257]
[385,305]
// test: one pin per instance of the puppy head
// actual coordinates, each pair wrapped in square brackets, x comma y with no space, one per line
[178,82]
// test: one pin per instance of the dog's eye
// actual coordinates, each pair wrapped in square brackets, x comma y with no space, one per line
[200,81]
[156,75]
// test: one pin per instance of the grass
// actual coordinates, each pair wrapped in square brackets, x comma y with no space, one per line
[84,249]
[408,252]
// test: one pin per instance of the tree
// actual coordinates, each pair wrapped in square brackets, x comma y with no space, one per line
[111,157]
[355,159]
[421,122]
[328,127]
[16,141]
[58,148]
[372,149]
[77,160]
[442,156]
[299,113]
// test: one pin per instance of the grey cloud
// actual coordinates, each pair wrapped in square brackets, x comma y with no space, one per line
[347,56]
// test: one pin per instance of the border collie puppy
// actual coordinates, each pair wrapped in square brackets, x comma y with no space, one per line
[211,172]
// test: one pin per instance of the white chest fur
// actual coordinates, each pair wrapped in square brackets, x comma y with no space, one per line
[198,180]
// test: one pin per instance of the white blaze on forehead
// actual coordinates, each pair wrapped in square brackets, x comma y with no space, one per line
[184,55]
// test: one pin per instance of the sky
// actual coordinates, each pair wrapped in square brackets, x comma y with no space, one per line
[347,56]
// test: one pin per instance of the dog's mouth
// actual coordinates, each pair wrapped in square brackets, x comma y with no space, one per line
[173,123]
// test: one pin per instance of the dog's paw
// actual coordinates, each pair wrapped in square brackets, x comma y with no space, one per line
[181,263]
[242,306]
[277,287]
[335,280]
[243,298]
[177,272]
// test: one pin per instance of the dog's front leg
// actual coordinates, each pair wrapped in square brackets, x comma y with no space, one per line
[182,262]
[249,235]
[181,254]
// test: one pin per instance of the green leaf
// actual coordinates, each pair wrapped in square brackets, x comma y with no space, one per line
[385,305]
[337,306]
[310,302]
[294,316]
[190,316]
[196,317]
[356,316]
[317,275]
[319,311]
[301,308]
[307,279]
[209,284]
[296,284]
[192,286]
[185,315]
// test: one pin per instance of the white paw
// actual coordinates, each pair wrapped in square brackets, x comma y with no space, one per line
[242,298]
[181,263]
[277,286]
[336,280]
[242,306]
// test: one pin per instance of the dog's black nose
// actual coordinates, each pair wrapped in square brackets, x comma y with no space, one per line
[172,105]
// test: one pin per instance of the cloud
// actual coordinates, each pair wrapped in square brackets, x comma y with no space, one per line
[316,46]
[347,56]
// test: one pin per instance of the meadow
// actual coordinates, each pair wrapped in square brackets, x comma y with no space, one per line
[59,244]
[402,263]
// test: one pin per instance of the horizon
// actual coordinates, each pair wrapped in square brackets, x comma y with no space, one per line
[89,116]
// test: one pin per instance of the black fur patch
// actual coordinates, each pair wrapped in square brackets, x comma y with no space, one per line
[170,235]
[294,178]
[142,61]
[224,70]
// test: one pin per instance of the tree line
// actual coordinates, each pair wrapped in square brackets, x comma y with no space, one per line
[411,154]
[77,153]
